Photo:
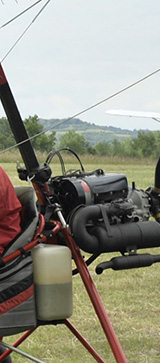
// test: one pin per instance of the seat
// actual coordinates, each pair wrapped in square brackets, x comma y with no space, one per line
[29,219]
[17,302]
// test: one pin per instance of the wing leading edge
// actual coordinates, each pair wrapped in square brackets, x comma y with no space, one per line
[154,115]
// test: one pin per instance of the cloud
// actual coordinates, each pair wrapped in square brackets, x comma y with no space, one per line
[77,53]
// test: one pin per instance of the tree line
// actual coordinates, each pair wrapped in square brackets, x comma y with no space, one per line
[146,144]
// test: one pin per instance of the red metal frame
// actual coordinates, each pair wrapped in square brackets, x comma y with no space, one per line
[91,290]
[86,279]
[95,298]
[16,344]
[33,168]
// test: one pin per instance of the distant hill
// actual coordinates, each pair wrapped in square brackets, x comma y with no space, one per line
[93,133]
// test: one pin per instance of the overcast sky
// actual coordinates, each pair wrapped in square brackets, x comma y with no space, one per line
[79,52]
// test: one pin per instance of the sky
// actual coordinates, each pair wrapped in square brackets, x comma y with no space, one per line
[79,52]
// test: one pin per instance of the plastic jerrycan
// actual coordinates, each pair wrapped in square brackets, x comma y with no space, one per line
[52,272]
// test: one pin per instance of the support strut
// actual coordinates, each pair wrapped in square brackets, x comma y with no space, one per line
[17,125]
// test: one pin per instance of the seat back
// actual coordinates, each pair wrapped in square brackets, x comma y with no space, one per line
[29,219]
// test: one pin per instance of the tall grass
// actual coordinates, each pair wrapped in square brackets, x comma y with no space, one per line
[131,298]
[14,155]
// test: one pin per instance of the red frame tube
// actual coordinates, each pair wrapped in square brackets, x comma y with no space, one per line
[91,289]
[41,239]
[16,344]
[83,341]
[95,298]
[32,165]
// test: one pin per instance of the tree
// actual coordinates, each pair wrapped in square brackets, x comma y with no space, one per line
[117,148]
[42,142]
[127,147]
[144,144]
[76,142]
[156,151]
[103,148]
[6,136]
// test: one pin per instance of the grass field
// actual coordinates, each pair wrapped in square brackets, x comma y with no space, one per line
[131,298]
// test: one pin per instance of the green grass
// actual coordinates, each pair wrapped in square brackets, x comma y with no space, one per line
[131,298]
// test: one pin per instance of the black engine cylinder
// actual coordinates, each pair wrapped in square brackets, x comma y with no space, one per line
[96,235]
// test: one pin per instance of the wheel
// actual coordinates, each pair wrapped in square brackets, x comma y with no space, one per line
[8,359]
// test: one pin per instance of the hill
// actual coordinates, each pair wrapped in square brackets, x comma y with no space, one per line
[93,133]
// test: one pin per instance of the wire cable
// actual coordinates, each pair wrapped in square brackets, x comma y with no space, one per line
[85,110]
[17,16]
[20,37]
